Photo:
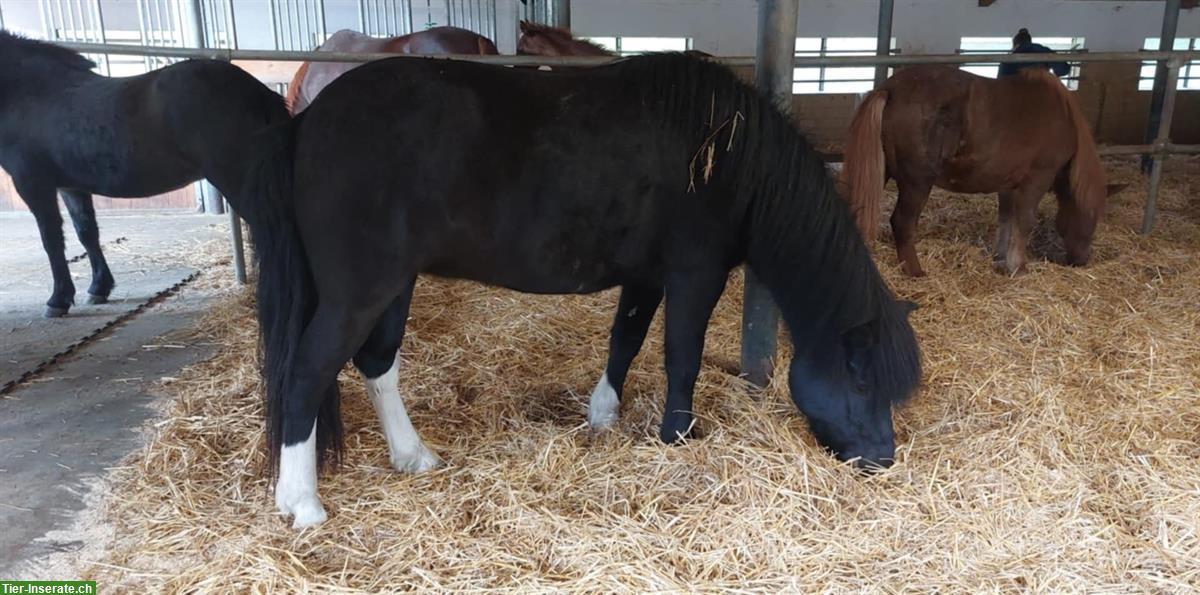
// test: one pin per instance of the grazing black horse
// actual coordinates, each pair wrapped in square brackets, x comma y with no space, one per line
[658,173]
[65,128]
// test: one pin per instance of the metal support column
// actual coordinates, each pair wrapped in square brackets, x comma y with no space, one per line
[775,55]
[239,249]
[883,40]
[1166,42]
[1159,157]
[562,14]
[193,18]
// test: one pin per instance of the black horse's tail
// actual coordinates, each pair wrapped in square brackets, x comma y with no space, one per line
[286,294]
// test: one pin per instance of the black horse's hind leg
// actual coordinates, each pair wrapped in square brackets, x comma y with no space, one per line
[379,362]
[634,313]
[691,297]
[83,215]
[334,334]
[43,203]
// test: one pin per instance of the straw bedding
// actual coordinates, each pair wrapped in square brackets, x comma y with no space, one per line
[1054,446]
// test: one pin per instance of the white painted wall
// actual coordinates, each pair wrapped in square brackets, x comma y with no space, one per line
[728,27]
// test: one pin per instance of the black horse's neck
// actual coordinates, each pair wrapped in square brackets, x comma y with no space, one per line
[802,239]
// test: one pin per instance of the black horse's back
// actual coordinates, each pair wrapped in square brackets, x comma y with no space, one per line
[472,147]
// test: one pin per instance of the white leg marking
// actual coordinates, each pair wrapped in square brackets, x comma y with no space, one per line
[603,408]
[408,453]
[296,490]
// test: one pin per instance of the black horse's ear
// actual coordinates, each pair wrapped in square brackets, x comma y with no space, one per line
[908,307]
[525,29]
[859,342]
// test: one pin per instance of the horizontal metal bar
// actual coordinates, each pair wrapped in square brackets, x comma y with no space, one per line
[1169,148]
[1178,56]
[1108,151]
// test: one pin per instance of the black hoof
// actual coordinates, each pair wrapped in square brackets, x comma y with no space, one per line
[55,312]
[97,299]
[680,434]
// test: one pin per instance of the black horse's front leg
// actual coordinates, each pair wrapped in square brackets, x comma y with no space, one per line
[83,215]
[691,297]
[40,198]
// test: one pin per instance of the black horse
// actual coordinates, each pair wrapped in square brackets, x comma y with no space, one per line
[658,174]
[65,128]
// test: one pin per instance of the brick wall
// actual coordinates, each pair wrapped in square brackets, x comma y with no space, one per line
[184,198]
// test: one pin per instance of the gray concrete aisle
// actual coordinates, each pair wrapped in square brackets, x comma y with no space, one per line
[83,414]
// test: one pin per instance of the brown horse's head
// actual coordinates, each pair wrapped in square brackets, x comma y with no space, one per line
[544,40]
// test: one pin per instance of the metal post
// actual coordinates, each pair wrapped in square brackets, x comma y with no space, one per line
[1160,144]
[193,17]
[1166,41]
[239,250]
[231,38]
[562,14]
[98,16]
[773,75]
[883,39]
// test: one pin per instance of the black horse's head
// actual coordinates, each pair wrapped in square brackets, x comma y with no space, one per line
[846,387]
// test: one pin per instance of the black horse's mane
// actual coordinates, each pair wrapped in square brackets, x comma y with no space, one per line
[15,46]
[800,232]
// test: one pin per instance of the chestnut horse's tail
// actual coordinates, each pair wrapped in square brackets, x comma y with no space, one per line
[293,92]
[863,165]
[1087,174]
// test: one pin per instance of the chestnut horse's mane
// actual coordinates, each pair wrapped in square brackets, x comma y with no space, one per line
[1086,173]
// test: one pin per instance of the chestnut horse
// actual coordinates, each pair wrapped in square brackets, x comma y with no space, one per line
[311,78]
[1019,136]
[544,40]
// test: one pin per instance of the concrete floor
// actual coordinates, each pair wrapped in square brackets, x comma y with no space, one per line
[83,415]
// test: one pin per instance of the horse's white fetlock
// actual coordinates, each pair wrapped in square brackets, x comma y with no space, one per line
[604,406]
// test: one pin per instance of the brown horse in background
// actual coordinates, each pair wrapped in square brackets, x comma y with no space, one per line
[544,40]
[1019,135]
[311,78]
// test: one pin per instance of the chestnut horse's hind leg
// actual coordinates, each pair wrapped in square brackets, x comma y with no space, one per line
[83,215]
[1004,230]
[634,313]
[911,202]
[379,362]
